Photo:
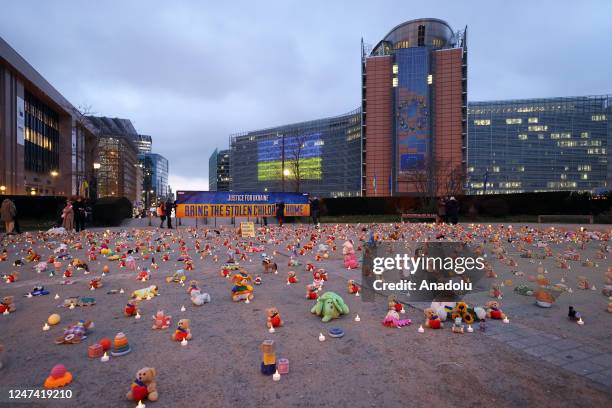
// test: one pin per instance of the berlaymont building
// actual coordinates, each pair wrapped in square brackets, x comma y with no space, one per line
[415,122]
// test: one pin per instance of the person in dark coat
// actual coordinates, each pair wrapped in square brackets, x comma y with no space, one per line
[442,217]
[314,210]
[280,213]
[78,206]
[452,210]
[169,207]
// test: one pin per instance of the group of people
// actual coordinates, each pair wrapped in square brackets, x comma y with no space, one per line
[448,210]
[74,214]
[164,212]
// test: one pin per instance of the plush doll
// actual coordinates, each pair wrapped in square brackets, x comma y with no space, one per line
[572,314]
[350,259]
[75,333]
[257,280]
[392,319]
[493,310]
[330,306]
[11,277]
[269,265]
[41,267]
[182,332]
[193,285]
[353,288]
[291,278]
[432,320]
[161,320]
[140,294]
[144,275]
[495,291]
[95,283]
[311,292]
[274,318]
[144,387]
[395,305]
[198,298]
[7,304]
[131,308]
[457,326]
[242,290]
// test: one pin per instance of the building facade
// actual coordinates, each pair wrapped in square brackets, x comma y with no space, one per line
[414,110]
[219,178]
[321,157]
[119,174]
[155,178]
[43,137]
[537,145]
[144,143]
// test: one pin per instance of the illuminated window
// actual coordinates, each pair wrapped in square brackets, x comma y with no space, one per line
[584,167]
[516,121]
[540,136]
[470,169]
[495,169]
[567,143]
[482,122]
[395,69]
[538,128]
[598,118]
[533,120]
[430,79]
[522,136]
[437,42]
[554,136]
[395,82]
[584,135]
[521,168]
[563,176]
[584,176]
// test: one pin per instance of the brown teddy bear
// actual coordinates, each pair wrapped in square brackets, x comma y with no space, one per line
[274,319]
[493,310]
[432,320]
[182,332]
[144,387]
[7,303]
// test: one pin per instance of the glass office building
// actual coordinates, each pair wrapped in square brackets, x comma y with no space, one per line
[155,178]
[219,178]
[321,157]
[535,145]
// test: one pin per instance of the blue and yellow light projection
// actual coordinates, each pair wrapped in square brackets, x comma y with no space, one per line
[270,154]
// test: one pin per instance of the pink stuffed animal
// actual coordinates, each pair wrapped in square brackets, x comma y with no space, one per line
[161,320]
[350,260]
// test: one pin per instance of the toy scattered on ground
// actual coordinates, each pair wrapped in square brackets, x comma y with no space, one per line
[54,319]
[121,346]
[273,318]
[457,326]
[7,304]
[182,332]
[392,319]
[131,308]
[75,333]
[59,377]
[583,283]
[573,315]
[317,279]
[283,366]
[242,290]
[269,265]
[353,287]
[523,290]
[268,361]
[607,290]
[144,275]
[73,302]
[105,343]
[95,283]
[350,259]
[257,280]
[177,277]
[336,332]
[395,305]
[493,310]
[291,277]
[311,292]
[11,277]
[495,291]
[161,320]
[198,298]
[37,291]
[145,293]
[144,386]
[193,285]
[432,320]
[330,306]
[95,351]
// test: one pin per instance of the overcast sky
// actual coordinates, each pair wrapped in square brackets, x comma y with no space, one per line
[190,73]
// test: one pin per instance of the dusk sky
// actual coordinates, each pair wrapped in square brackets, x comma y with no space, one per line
[191,73]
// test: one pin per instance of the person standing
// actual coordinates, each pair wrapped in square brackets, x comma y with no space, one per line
[280,213]
[442,210]
[8,212]
[78,207]
[161,213]
[452,210]
[68,217]
[169,207]
[314,210]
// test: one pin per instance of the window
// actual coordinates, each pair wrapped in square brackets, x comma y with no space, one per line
[495,169]
[395,68]
[522,137]
[470,169]
[598,118]
[437,42]
[516,121]
[540,136]
[482,122]
[421,36]
[584,176]
[521,168]
[584,167]
[538,128]
[395,82]
[430,79]
[533,120]
[584,135]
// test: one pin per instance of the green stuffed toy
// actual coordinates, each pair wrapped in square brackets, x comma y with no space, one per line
[330,306]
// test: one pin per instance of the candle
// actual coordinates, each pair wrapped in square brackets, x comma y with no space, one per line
[469,329]
[321,337]
[140,405]
[276,376]
[247,300]
[580,321]
[506,320]
[137,316]
[421,329]
[183,308]
[71,306]
[121,290]
[45,327]
[357,318]
[29,295]
[56,296]
[184,342]
[104,358]
[271,329]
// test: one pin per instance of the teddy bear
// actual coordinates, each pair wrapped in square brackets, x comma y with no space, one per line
[291,278]
[7,304]
[95,283]
[353,287]
[274,318]
[144,387]
[269,265]
[394,304]
[161,320]
[182,332]
[495,291]
[311,292]
[198,298]
[131,308]
[432,320]
[493,310]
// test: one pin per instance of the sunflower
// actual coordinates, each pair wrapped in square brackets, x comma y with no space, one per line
[468,318]
[462,307]
[455,315]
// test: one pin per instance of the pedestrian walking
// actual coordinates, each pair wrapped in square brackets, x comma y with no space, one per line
[161,213]
[280,213]
[8,213]
[169,207]
[314,210]
[68,217]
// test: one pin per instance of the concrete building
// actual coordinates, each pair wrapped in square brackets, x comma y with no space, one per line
[219,177]
[45,142]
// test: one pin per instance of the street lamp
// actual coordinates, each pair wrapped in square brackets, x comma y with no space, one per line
[3,189]
[33,192]
[96,166]
[54,173]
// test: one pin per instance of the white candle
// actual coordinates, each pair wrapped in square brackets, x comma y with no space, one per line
[421,329]
[580,321]
[506,320]
[71,306]
[271,329]
[137,316]
[276,376]
[470,329]
[183,308]
[104,358]
[121,290]
[247,300]
[184,342]
[46,327]
[321,337]
[140,405]
[29,295]
[56,296]
[357,318]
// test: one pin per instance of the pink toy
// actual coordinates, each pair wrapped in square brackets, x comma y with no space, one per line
[350,260]
[161,320]
[130,263]
[392,320]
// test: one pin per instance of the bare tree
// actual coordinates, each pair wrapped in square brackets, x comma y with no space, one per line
[296,160]
[436,178]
